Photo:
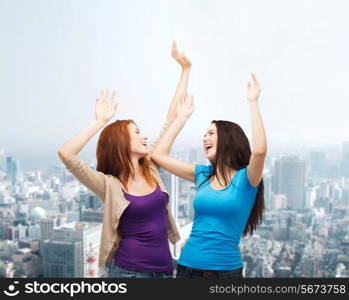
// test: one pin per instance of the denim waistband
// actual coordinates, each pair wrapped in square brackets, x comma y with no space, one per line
[202,272]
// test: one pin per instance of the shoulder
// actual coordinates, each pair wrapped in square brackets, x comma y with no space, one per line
[242,179]
[203,169]
[202,172]
[113,182]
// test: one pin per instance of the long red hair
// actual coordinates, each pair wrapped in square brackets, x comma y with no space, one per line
[113,153]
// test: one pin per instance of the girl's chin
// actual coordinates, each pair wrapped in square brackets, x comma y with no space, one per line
[142,153]
[209,157]
[145,153]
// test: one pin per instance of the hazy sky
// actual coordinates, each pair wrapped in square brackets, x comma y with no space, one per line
[57,55]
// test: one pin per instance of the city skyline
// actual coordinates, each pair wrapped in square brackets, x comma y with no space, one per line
[37,161]
[303,234]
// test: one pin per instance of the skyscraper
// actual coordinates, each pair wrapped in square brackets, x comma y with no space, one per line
[62,259]
[77,239]
[267,180]
[317,163]
[289,179]
[171,184]
[345,159]
[90,208]
[12,168]
[2,160]
[47,225]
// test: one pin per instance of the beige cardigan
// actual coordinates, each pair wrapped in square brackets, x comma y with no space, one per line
[109,189]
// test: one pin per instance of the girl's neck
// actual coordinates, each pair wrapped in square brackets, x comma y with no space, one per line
[228,174]
[138,172]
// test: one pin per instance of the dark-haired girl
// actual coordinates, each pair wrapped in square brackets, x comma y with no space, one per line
[229,198]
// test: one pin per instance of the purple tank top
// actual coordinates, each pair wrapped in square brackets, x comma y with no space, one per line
[143,227]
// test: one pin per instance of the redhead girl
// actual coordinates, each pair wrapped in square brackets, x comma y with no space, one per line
[137,221]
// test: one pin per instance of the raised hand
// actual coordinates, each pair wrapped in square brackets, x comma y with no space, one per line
[185,106]
[180,57]
[106,106]
[253,89]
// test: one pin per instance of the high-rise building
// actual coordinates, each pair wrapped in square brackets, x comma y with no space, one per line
[62,259]
[289,179]
[2,160]
[318,163]
[166,179]
[267,181]
[47,226]
[345,159]
[278,201]
[310,197]
[90,208]
[12,169]
[78,238]
[310,265]
[172,186]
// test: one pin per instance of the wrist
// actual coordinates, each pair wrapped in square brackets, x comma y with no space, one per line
[186,68]
[253,101]
[182,118]
[100,122]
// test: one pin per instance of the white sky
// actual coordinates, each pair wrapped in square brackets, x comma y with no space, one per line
[57,55]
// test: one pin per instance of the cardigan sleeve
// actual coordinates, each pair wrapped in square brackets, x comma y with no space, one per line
[92,179]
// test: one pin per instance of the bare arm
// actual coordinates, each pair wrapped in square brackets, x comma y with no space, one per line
[259,141]
[161,151]
[181,90]
[182,85]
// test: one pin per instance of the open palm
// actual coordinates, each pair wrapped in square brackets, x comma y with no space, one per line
[106,106]
[253,89]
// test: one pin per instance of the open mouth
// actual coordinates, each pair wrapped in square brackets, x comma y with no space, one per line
[208,147]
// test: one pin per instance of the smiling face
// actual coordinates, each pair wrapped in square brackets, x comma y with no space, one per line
[210,142]
[138,141]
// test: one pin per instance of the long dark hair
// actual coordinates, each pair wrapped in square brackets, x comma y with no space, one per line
[113,153]
[233,151]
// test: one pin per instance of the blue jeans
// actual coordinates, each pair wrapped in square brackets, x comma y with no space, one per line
[186,272]
[116,272]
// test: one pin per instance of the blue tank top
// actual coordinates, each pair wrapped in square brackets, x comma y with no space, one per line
[220,217]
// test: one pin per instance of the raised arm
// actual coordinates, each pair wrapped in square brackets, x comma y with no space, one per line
[182,85]
[93,180]
[161,151]
[181,89]
[259,141]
